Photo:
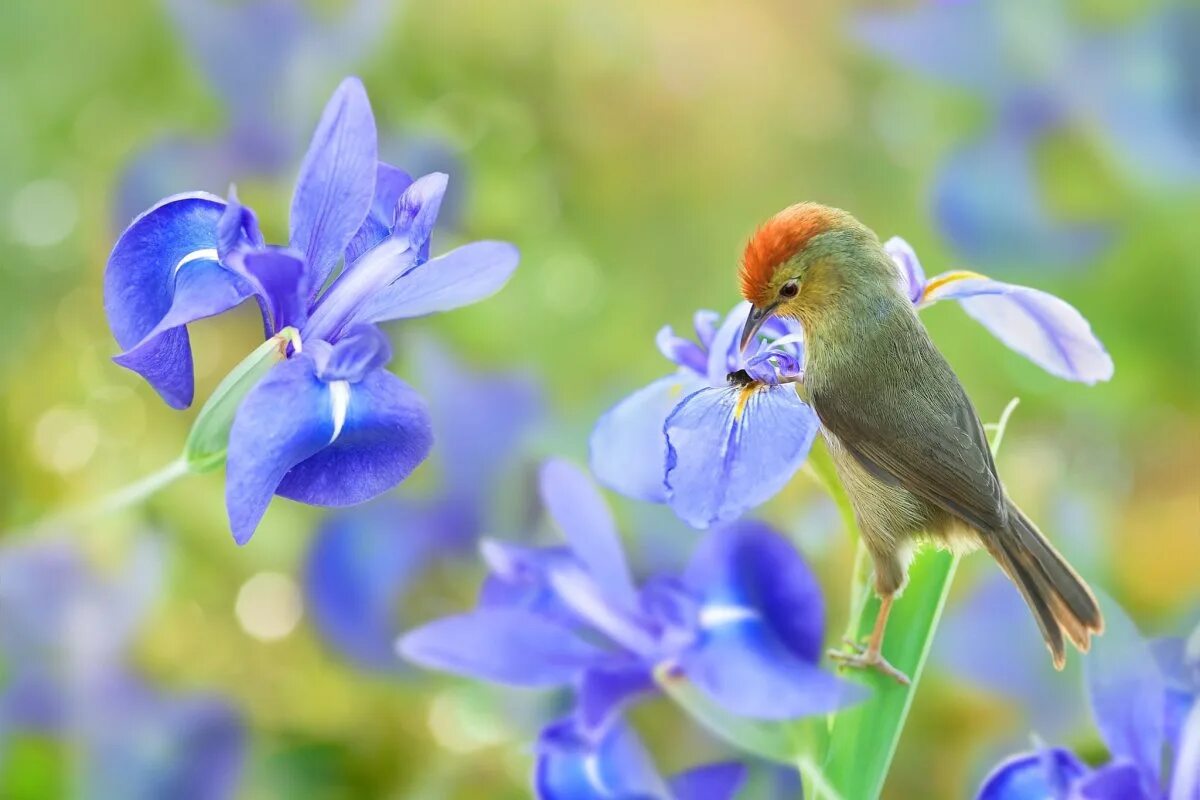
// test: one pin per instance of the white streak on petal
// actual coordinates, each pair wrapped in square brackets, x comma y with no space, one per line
[717,614]
[339,402]
[207,254]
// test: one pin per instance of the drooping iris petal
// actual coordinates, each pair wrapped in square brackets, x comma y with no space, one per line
[503,645]
[1043,328]
[381,432]
[628,449]
[742,667]
[459,278]
[1127,693]
[140,284]
[359,565]
[1033,776]
[580,512]
[281,277]
[911,273]
[360,350]
[336,185]
[283,420]
[602,692]
[571,767]
[712,782]
[390,184]
[730,449]
[747,566]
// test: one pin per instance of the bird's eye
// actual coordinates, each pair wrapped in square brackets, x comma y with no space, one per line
[789,289]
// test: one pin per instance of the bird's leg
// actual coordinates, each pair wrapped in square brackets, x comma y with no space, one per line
[872,656]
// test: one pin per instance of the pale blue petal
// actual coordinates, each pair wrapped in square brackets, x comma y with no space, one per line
[911,274]
[711,782]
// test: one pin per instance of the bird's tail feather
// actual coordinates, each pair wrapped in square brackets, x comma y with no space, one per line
[1060,600]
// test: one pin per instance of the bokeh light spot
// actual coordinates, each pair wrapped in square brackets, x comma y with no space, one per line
[460,725]
[64,439]
[268,606]
[43,213]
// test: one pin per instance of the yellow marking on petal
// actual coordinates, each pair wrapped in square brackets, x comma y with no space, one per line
[744,397]
[949,277]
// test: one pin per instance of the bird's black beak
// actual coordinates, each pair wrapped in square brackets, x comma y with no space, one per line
[758,315]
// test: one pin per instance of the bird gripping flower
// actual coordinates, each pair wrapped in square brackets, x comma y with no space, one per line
[905,439]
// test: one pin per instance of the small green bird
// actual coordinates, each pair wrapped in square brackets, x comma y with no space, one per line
[903,434]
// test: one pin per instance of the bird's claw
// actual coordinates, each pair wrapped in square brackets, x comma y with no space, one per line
[865,658]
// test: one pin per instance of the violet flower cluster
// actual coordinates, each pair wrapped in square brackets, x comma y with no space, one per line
[329,426]
[743,624]
[713,449]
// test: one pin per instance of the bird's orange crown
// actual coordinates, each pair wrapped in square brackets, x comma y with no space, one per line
[776,241]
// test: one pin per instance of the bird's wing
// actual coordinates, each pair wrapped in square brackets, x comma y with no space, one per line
[912,425]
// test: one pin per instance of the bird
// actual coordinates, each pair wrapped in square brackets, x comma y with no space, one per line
[904,437]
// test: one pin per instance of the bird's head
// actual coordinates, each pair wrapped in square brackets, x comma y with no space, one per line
[800,259]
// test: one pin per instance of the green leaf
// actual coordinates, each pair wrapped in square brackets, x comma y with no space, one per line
[209,438]
[863,739]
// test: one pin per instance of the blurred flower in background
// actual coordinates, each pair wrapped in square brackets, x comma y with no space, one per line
[353,430]
[1041,69]
[1145,699]
[65,635]
[362,562]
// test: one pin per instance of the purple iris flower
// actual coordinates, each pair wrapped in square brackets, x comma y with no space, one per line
[1132,87]
[65,632]
[574,764]
[743,623]
[362,561]
[1145,698]
[329,426]
[713,448]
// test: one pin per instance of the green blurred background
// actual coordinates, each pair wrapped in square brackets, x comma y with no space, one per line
[628,148]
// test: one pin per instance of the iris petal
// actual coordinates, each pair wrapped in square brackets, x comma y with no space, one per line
[570,767]
[1045,329]
[140,285]
[681,352]
[461,277]
[730,449]
[628,449]
[911,273]
[747,565]
[337,181]
[1115,781]
[390,184]
[502,645]
[712,782]
[1185,783]
[603,692]
[281,277]
[417,210]
[362,349]
[580,512]
[1033,776]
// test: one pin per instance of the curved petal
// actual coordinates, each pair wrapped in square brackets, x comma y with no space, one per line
[681,352]
[911,274]
[1033,776]
[140,285]
[502,645]
[1185,783]
[361,349]
[417,211]
[572,767]
[1127,692]
[1045,329]
[459,278]
[390,184]
[579,511]
[747,565]
[1119,780]
[628,449]
[237,227]
[359,565]
[730,449]
[281,277]
[337,181]
[604,691]
[384,434]
[711,782]
[724,352]
[744,669]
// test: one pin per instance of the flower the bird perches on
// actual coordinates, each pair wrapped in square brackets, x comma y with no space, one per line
[714,448]
[328,426]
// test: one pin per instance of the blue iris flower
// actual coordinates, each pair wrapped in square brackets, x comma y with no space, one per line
[743,623]
[573,764]
[329,426]
[65,633]
[1145,698]
[362,561]
[713,449]
[1041,71]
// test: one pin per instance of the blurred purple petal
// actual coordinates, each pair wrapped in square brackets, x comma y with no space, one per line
[1114,781]
[681,352]
[1043,328]
[628,449]
[911,273]
[731,449]
[336,185]
[579,511]
[1185,783]
[506,646]
[569,767]
[603,692]
[1033,776]
[724,354]
[712,782]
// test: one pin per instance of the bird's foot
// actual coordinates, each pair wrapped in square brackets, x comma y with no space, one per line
[861,657]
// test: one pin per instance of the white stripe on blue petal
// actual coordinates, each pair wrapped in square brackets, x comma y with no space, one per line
[718,614]
[591,768]
[207,254]
[339,402]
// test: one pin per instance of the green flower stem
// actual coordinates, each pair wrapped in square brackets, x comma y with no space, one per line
[134,493]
